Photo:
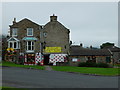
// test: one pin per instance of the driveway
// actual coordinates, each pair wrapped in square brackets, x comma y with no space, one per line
[33,78]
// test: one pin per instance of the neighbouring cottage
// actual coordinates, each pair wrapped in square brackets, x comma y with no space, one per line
[31,43]
[79,54]
[116,53]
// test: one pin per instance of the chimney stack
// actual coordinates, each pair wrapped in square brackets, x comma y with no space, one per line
[91,47]
[53,18]
[14,21]
[81,45]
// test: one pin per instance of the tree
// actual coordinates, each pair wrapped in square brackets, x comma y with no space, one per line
[70,43]
[107,45]
[3,45]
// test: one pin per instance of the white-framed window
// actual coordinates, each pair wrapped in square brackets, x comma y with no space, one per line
[29,31]
[14,31]
[74,59]
[14,44]
[30,46]
[45,34]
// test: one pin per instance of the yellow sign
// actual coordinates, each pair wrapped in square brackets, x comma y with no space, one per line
[53,49]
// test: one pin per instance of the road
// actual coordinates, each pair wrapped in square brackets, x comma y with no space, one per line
[33,78]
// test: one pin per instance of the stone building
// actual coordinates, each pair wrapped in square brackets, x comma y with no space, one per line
[55,38]
[32,41]
[115,52]
[79,54]
[25,39]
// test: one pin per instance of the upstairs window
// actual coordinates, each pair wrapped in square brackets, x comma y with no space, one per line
[29,31]
[14,31]
[45,34]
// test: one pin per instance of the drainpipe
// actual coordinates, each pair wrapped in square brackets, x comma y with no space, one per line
[41,40]
[111,57]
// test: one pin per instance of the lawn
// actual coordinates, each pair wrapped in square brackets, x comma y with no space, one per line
[12,88]
[4,63]
[88,70]
[117,65]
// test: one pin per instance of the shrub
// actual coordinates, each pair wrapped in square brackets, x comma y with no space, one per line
[87,64]
[92,64]
[104,65]
[82,64]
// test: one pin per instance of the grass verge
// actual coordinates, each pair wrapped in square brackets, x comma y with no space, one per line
[117,65]
[88,70]
[5,63]
[11,88]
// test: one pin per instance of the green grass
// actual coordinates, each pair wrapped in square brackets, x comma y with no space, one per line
[117,65]
[5,87]
[12,88]
[4,63]
[88,70]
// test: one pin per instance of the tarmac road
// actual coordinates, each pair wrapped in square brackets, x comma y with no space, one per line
[32,78]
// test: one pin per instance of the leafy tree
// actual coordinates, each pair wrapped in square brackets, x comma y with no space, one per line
[107,45]
[70,43]
[3,45]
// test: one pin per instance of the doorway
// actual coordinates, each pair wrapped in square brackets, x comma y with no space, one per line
[46,59]
[30,58]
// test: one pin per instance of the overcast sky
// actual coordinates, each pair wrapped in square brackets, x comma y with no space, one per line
[90,23]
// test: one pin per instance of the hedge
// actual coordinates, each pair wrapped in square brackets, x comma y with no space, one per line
[93,64]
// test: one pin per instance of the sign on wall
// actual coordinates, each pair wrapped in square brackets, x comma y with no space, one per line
[74,59]
[53,49]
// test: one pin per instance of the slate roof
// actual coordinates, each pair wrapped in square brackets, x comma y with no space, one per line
[25,19]
[79,51]
[114,49]
[12,39]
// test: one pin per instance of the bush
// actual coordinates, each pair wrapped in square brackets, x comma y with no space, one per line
[82,64]
[104,65]
[87,64]
[92,64]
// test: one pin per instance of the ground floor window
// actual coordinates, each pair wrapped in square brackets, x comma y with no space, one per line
[14,44]
[108,60]
[91,59]
[74,59]
[30,45]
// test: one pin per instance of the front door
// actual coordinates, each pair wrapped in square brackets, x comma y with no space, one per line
[46,59]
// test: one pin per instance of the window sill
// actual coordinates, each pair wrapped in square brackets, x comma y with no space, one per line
[14,35]
[29,50]
[30,35]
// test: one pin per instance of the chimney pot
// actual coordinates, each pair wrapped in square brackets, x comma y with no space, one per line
[81,45]
[91,47]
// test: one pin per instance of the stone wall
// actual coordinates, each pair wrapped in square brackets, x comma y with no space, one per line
[99,59]
[56,35]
